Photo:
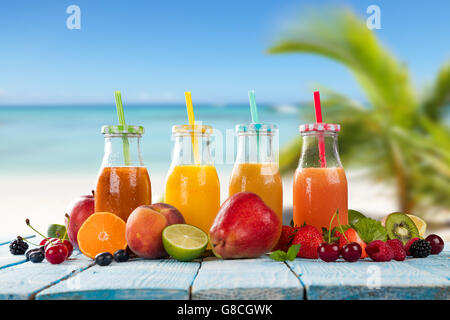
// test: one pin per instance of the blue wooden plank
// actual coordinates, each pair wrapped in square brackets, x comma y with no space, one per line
[436,264]
[138,279]
[23,281]
[370,280]
[261,278]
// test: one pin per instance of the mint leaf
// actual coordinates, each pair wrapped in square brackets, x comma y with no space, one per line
[292,252]
[278,255]
[369,230]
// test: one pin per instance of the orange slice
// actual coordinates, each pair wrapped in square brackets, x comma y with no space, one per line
[101,232]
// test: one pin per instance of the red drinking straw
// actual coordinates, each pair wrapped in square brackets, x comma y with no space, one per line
[318,108]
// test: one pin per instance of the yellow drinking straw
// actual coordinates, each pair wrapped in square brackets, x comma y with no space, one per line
[191,118]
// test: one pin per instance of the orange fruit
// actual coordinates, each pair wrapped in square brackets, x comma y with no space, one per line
[101,232]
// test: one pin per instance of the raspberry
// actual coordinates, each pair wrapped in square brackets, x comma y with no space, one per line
[287,234]
[408,245]
[379,251]
[397,249]
[420,249]
[310,239]
[18,246]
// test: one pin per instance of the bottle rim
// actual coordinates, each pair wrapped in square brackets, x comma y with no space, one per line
[254,128]
[123,130]
[319,127]
[188,129]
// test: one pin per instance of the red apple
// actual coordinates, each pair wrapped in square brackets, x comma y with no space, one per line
[245,227]
[79,210]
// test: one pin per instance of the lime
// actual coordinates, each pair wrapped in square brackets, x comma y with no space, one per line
[184,242]
[57,231]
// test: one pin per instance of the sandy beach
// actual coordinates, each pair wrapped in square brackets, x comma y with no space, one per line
[44,198]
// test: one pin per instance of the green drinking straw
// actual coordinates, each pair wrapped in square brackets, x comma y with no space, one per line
[121,116]
[255,119]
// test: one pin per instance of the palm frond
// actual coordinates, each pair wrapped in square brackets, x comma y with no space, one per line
[439,97]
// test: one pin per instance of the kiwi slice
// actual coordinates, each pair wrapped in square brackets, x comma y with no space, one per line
[354,216]
[400,226]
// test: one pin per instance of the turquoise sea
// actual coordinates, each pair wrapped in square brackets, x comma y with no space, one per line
[67,139]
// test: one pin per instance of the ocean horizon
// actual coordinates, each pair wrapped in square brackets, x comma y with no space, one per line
[44,139]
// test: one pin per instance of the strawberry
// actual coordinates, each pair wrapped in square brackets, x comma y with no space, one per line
[352,236]
[309,239]
[286,237]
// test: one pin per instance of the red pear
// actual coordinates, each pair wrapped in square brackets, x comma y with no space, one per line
[245,227]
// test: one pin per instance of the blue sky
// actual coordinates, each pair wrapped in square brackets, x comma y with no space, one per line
[153,51]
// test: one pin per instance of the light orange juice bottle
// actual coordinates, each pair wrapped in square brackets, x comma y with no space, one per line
[192,184]
[320,185]
[256,167]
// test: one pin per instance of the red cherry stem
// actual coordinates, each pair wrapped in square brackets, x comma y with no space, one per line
[340,226]
[68,223]
[329,228]
[27,221]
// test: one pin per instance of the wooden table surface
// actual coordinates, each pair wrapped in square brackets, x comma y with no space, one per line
[210,278]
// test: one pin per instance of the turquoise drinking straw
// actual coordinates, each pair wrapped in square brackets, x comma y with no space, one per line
[255,119]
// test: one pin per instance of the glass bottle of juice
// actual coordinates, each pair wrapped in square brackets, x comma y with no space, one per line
[123,183]
[192,184]
[256,166]
[320,184]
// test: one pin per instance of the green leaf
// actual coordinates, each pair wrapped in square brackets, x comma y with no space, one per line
[292,252]
[369,230]
[278,255]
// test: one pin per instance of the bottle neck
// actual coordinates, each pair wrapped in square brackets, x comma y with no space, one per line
[192,150]
[253,148]
[122,150]
[310,157]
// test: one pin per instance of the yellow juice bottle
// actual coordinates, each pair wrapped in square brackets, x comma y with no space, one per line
[192,184]
[256,167]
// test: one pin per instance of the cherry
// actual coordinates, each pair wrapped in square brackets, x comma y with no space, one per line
[328,252]
[351,252]
[69,246]
[436,242]
[56,254]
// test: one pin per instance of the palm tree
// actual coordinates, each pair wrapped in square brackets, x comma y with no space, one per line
[398,136]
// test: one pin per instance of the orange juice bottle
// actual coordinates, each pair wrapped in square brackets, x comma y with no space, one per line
[192,184]
[256,166]
[320,185]
[123,183]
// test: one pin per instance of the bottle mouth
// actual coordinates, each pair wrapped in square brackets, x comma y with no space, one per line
[256,128]
[121,130]
[188,129]
[319,127]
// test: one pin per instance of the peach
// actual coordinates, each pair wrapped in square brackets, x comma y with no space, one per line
[143,232]
[171,213]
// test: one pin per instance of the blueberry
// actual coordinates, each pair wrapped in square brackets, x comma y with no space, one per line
[29,252]
[104,259]
[36,256]
[121,256]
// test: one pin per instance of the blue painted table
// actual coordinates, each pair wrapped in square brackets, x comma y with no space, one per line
[210,278]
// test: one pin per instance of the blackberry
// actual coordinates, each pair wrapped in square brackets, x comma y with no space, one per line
[420,249]
[18,246]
